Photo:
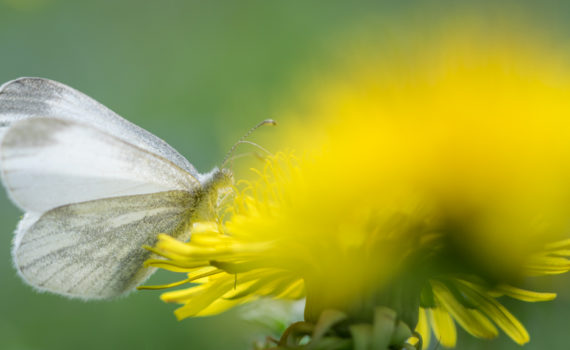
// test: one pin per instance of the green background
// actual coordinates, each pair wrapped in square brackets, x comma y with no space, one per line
[199,74]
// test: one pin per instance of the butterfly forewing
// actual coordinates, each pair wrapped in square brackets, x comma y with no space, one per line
[37,97]
[47,163]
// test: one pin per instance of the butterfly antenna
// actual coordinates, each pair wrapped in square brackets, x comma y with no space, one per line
[247,154]
[244,137]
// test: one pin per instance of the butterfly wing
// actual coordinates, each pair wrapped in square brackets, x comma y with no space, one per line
[94,186]
[48,162]
[37,97]
[93,250]
[92,201]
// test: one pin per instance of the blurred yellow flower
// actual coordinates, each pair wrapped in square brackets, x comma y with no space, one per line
[427,186]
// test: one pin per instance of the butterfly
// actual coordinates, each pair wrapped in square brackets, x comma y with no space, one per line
[95,189]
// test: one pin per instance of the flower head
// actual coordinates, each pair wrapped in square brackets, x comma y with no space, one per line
[415,202]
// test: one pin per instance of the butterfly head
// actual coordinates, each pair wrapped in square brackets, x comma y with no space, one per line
[217,179]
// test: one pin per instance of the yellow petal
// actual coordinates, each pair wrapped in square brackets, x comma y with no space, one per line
[547,265]
[443,326]
[176,266]
[423,329]
[496,312]
[221,305]
[564,244]
[473,321]
[525,295]
[163,286]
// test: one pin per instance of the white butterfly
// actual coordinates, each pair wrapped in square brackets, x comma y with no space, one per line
[95,188]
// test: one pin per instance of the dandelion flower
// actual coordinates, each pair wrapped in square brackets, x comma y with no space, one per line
[413,205]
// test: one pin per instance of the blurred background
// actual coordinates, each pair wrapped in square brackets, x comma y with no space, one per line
[199,74]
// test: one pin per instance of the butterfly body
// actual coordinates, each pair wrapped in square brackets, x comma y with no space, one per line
[95,189]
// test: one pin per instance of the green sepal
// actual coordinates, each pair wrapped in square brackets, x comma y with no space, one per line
[383,327]
[400,334]
[326,321]
[361,336]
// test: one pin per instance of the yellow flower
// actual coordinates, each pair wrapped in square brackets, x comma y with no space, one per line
[416,201]
[263,251]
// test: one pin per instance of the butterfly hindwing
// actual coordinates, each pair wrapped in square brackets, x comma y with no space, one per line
[93,250]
